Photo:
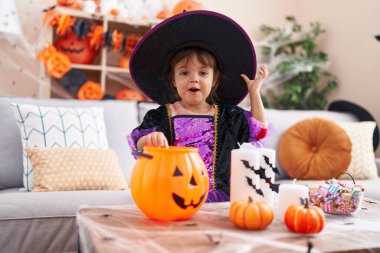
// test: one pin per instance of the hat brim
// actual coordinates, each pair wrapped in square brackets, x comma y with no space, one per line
[152,53]
[361,113]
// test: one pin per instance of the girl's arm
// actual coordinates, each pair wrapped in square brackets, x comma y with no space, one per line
[153,131]
[254,86]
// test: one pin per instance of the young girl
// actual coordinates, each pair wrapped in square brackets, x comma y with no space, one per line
[198,90]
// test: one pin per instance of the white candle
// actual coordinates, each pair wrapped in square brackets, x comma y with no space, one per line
[290,194]
[244,180]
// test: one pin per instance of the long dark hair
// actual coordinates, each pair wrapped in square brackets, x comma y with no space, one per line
[203,57]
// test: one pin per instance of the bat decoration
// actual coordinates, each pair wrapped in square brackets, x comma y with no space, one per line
[261,173]
[250,183]
[246,164]
[275,170]
[274,187]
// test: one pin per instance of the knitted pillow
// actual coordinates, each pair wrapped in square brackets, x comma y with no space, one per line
[314,149]
[363,164]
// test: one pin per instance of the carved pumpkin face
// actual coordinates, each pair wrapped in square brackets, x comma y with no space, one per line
[129,95]
[171,185]
[90,91]
[187,5]
[78,50]
[58,65]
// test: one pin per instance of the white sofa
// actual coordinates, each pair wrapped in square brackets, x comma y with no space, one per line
[45,221]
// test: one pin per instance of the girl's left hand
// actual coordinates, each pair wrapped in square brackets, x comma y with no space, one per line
[255,85]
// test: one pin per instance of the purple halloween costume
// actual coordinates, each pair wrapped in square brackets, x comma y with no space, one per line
[192,130]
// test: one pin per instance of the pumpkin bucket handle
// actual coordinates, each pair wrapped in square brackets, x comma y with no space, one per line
[346,174]
[139,153]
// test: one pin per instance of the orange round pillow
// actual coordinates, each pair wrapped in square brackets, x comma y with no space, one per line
[314,149]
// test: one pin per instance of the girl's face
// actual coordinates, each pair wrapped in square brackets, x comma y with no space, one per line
[193,81]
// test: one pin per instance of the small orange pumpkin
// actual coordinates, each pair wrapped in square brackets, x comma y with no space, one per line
[128,94]
[58,65]
[90,91]
[187,5]
[255,215]
[305,219]
[169,183]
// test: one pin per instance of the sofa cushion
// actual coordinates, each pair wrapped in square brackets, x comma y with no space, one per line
[16,204]
[71,169]
[314,149]
[42,126]
[120,119]
[363,164]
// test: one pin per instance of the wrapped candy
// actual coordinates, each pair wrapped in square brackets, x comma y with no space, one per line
[336,197]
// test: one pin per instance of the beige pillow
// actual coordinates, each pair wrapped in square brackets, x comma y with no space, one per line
[363,164]
[71,169]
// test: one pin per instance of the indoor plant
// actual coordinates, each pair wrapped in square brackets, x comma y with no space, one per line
[298,76]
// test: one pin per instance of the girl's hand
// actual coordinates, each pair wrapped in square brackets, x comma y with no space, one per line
[255,85]
[156,139]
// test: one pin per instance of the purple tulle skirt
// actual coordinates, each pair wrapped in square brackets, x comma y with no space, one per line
[217,196]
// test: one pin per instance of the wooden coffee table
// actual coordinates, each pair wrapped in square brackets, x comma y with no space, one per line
[126,229]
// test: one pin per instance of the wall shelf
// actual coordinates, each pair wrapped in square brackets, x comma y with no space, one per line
[104,70]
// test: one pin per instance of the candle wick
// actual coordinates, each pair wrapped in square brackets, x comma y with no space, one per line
[294,181]
[239,145]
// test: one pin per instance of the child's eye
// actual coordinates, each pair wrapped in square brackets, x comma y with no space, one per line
[203,73]
[183,73]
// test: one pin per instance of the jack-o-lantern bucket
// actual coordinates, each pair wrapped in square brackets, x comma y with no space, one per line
[169,183]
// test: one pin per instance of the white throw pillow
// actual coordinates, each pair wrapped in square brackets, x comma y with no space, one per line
[63,127]
[363,164]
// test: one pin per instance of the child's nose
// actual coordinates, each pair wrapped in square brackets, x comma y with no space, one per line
[194,79]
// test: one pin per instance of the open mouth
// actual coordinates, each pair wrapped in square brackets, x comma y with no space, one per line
[181,201]
[194,89]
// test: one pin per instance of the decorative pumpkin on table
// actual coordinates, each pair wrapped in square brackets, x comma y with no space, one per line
[169,184]
[78,50]
[255,215]
[305,219]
